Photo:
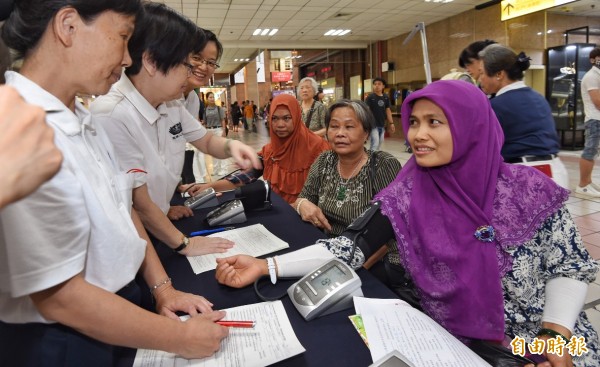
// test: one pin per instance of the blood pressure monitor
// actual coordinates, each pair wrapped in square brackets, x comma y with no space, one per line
[325,290]
[231,212]
[203,199]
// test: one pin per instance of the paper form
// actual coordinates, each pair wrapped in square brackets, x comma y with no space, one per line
[393,324]
[270,341]
[254,240]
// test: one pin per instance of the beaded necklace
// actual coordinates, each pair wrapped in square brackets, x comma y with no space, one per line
[342,187]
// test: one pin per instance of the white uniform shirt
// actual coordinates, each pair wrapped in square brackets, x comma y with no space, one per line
[192,104]
[146,138]
[78,222]
[590,81]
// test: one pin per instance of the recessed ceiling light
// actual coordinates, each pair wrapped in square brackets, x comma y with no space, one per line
[265,31]
[337,32]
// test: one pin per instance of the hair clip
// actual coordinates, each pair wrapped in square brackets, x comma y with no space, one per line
[522,57]
[485,233]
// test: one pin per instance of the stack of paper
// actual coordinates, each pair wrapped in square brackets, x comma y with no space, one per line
[254,240]
[392,324]
[270,341]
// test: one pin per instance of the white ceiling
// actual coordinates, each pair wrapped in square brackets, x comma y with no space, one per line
[302,23]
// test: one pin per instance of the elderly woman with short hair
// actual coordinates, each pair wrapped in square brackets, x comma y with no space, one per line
[313,112]
[342,181]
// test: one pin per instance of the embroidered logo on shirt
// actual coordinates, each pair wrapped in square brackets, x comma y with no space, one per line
[176,130]
[381,103]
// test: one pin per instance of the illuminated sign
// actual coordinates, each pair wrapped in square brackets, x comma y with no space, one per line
[515,8]
[281,76]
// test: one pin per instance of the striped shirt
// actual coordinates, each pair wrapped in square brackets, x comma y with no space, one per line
[323,186]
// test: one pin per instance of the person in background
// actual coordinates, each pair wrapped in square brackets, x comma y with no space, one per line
[149,126]
[313,112]
[590,95]
[320,96]
[469,58]
[529,131]
[28,156]
[471,232]
[248,115]
[214,119]
[286,158]
[379,103]
[235,116]
[69,252]
[266,109]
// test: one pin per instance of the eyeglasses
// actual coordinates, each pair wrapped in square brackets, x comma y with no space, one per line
[189,67]
[286,118]
[208,63]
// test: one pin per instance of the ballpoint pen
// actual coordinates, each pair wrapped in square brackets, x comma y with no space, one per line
[209,231]
[241,324]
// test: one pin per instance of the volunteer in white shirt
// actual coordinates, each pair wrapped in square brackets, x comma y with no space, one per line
[60,246]
[149,126]
[204,63]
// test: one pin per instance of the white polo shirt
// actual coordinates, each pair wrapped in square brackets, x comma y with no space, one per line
[590,81]
[148,139]
[78,222]
[192,104]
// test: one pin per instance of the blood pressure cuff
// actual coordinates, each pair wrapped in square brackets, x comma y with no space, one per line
[255,196]
[370,230]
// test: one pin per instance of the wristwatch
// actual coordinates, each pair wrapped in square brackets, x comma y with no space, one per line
[184,243]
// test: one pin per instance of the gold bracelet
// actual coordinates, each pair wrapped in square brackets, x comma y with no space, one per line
[158,285]
[227,147]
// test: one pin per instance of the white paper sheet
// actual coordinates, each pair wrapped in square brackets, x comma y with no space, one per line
[270,341]
[254,240]
[395,325]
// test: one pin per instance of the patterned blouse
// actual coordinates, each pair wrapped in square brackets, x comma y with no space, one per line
[317,120]
[555,251]
[341,201]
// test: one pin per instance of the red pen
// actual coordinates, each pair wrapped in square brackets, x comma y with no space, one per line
[242,324]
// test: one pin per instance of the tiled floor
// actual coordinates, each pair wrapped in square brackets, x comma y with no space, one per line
[586,211]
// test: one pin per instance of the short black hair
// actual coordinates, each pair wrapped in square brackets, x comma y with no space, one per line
[595,53]
[472,52]
[211,36]
[29,19]
[168,38]
[380,80]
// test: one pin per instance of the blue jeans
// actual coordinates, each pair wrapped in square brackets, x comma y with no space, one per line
[376,138]
[592,139]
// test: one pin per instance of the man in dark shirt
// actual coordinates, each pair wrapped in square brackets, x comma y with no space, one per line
[379,103]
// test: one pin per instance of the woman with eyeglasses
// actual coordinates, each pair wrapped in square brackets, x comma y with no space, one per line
[205,64]
[287,158]
[149,126]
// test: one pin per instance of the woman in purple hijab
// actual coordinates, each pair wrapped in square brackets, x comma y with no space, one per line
[490,248]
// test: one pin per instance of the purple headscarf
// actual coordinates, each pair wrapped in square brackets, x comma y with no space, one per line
[436,211]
